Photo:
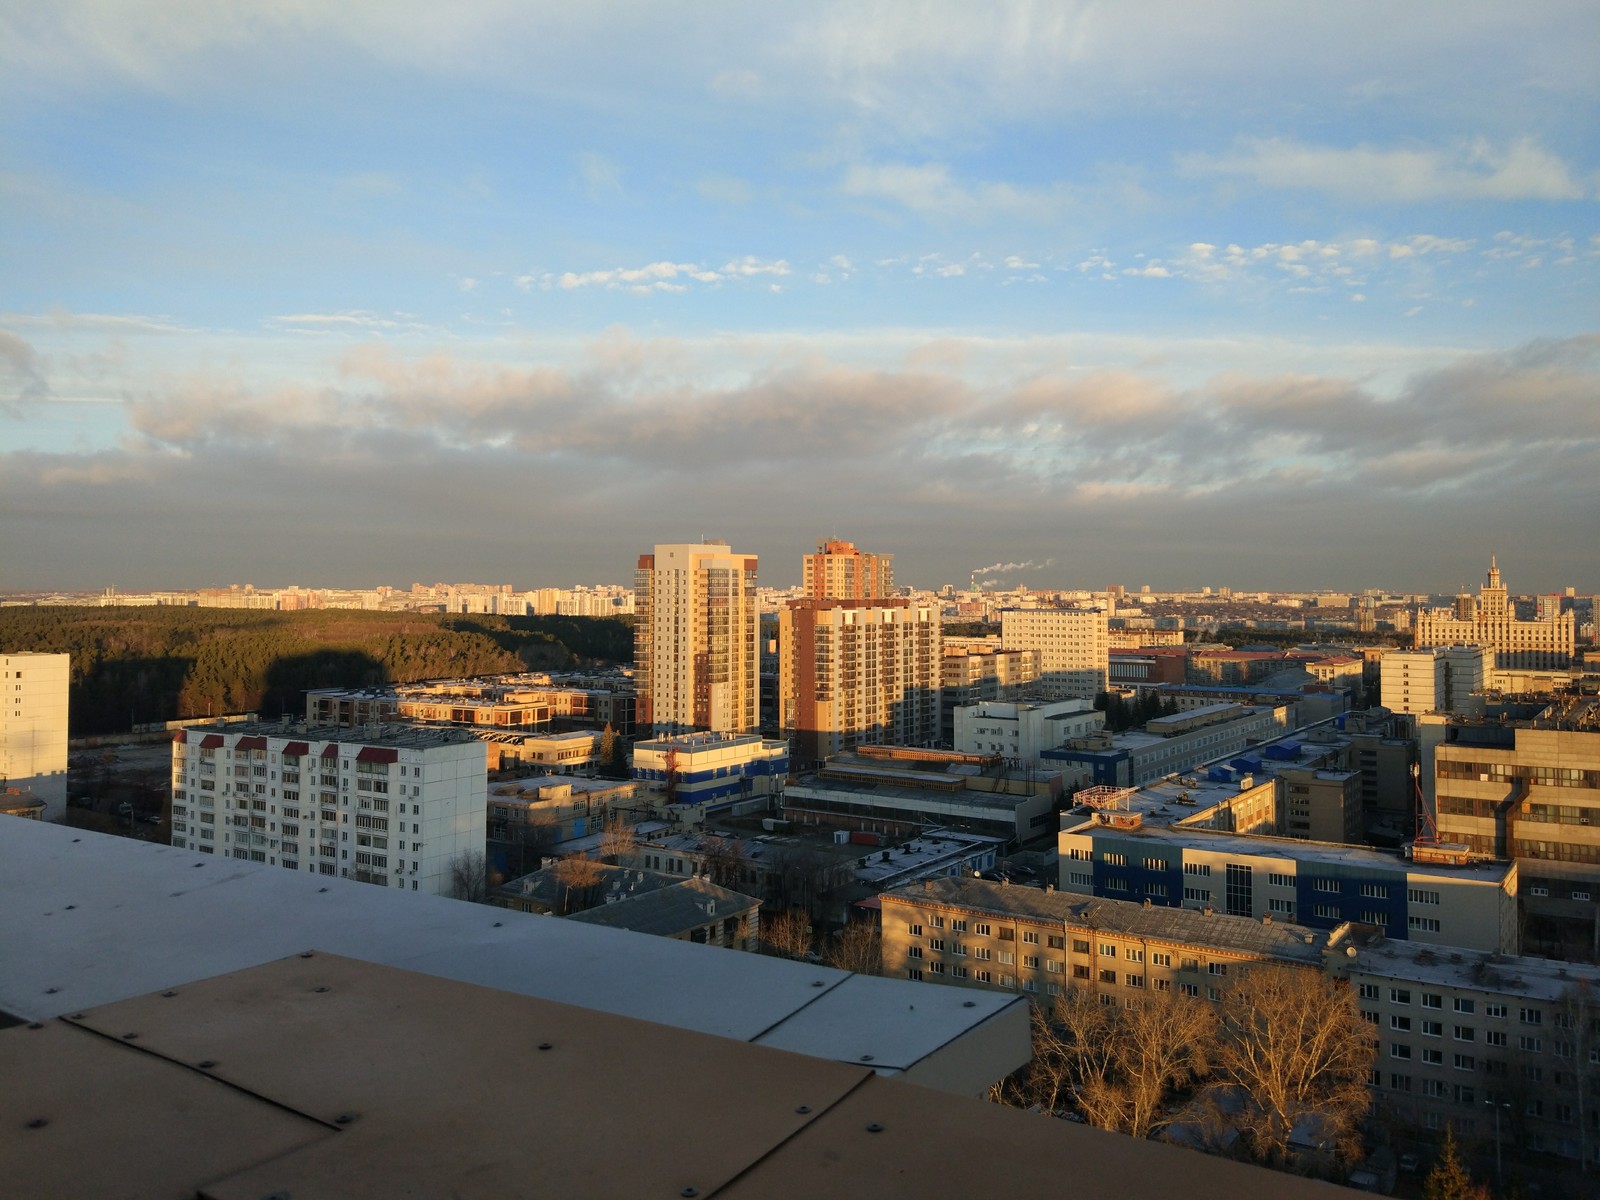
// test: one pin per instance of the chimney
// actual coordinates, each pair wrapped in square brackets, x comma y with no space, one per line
[1207,911]
[1147,903]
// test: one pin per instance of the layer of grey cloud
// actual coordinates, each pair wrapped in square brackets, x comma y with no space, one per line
[22,383]
[393,467]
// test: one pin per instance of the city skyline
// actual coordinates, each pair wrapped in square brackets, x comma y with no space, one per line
[993,578]
[1247,296]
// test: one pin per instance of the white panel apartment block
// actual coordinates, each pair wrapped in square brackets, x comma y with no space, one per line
[396,807]
[1073,643]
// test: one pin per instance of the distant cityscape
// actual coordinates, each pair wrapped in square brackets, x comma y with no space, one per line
[1062,796]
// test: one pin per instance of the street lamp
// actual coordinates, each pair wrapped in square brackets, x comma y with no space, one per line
[1499,1175]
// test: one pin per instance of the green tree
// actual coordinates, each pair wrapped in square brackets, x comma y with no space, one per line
[1449,1180]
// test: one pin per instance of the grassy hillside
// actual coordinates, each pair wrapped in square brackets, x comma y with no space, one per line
[134,665]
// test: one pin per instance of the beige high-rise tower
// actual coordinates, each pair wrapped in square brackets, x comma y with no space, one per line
[33,727]
[696,650]
[854,665]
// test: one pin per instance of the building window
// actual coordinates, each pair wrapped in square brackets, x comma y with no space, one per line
[1399,995]
[1399,1050]
[1467,1006]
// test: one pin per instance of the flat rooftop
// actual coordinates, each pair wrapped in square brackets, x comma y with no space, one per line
[1275,939]
[580,785]
[815,787]
[881,865]
[1534,978]
[92,920]
[389,733]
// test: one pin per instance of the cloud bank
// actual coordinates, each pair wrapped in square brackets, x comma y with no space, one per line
[436,458]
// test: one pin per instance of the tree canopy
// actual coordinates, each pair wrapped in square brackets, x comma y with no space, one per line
[142,665]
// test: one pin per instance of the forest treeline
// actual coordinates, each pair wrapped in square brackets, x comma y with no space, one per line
[137,665]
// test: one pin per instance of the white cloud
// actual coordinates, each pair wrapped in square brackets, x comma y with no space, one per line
[1477,170]
[725,189]
[601,176]
[661,276]
[931,191]
[352,319]
[63,320]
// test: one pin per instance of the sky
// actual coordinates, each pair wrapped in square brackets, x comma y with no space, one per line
[1237,294]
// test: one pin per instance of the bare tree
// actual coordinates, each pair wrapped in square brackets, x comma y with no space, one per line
[1295,1047]
[1161,1046]
[1071,1041]
[787,935]
[577,877]
[469,876]
[1122,1065]
[798,876]
[617,841]
[674,777]
[857,947]
[724,860]
[1577,1022]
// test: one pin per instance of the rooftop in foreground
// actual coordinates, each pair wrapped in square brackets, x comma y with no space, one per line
[320,1076]
[91,920]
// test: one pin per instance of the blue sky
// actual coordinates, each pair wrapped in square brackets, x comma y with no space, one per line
[1247,294]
